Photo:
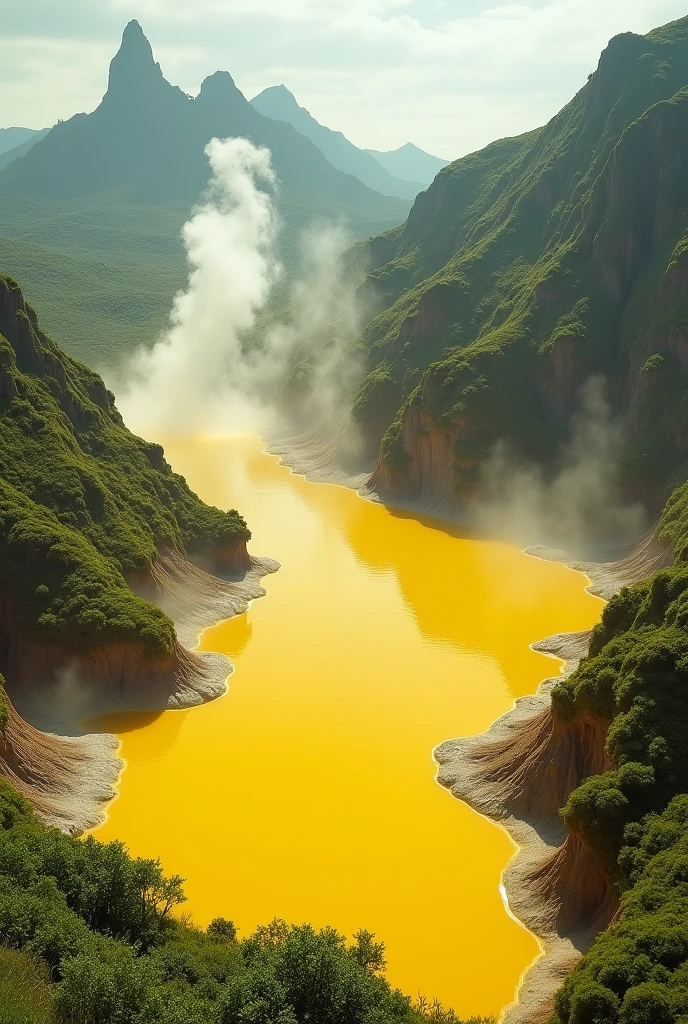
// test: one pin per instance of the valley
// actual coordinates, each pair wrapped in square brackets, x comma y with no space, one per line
[344,523]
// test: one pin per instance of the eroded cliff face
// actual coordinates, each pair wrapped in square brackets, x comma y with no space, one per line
[67,779]
[110,567]
[521,773]
[429,471]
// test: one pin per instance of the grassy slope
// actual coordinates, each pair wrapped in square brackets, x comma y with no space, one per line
[83,502]
[545,239]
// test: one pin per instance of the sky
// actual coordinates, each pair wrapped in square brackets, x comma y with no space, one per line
[449,75]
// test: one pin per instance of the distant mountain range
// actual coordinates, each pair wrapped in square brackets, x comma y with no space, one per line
[410,162]
[281,105]
[11,137]
[10,149]
[90,213]
[149,135]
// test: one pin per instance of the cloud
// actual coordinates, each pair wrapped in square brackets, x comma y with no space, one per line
[450,75]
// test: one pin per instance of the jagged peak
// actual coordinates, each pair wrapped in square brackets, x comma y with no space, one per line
[133,67]
[219,86]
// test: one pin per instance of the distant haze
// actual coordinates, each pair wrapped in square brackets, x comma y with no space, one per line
[447,75]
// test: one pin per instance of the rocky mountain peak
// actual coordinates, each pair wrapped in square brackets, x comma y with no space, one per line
[133,69]
[220,88]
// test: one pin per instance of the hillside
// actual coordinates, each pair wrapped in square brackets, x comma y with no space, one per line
[96,533]
[409,162]
[280,104]
[10,138]
[15,149]
[529,266]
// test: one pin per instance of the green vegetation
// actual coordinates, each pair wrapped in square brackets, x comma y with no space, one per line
[90,937]
[635,815]
[104,270]
[25,994]
[539,261]
[84,504]
[637,971]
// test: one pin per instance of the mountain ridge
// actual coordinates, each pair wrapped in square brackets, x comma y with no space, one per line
[410,161]
[528,267]
[148,134]
[278,103]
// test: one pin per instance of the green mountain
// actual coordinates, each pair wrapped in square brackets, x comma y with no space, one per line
[90,218]
[86,509]
[21,148]
[409,162]
[531,265]
[13,137]
[279,104]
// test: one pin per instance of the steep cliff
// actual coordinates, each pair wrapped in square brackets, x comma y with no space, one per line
[97,534]
[528,267]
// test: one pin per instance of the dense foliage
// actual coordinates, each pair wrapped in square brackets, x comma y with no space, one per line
[539,261]
[637,971]
[92,939]
[633,684]
[84,504]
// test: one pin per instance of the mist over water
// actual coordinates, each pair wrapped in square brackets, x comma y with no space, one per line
[216,371]
[579,507]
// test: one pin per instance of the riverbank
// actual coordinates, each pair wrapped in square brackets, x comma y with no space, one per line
[384,634]
[71,774]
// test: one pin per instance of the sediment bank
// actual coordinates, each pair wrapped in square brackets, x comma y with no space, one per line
[70,775]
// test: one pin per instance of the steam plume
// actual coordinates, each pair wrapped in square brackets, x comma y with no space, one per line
[578,505]
[214,371]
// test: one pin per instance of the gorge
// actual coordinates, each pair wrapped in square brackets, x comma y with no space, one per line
[230,739]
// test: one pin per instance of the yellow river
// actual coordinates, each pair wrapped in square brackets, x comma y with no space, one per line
[308,792]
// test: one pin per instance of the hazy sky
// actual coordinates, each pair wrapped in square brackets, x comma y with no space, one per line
[450,75]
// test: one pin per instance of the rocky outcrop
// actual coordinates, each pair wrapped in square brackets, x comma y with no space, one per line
[429,474]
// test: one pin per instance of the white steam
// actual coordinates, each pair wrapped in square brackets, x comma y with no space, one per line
[580,504]
[214,371]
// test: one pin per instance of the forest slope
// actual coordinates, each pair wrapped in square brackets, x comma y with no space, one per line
[96,535]
[528,267]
